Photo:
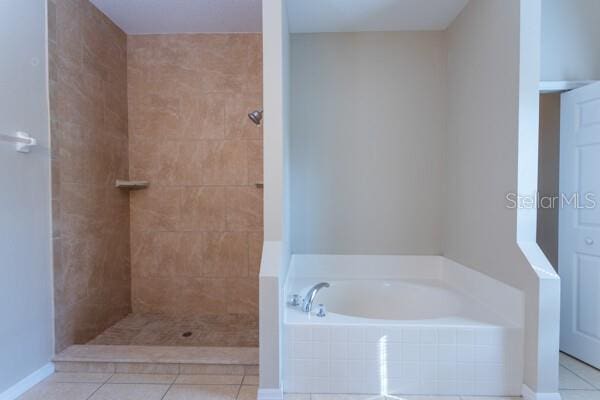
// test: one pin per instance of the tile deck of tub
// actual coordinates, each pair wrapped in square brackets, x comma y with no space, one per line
[578,381]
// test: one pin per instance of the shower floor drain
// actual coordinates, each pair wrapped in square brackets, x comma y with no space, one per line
[186,334]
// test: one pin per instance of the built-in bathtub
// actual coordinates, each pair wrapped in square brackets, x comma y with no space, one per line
[402,325]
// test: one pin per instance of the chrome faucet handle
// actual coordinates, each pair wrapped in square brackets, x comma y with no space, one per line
[295,300]
[322,311]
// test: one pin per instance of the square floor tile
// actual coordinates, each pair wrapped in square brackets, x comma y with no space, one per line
[580,395]
[431,397]
[202,392]
[130,392]
[345,397]
[209,380]
[584,371]
[60,391]
[296,396]
[489,398]
[568,380]
[248,393]
[251,380]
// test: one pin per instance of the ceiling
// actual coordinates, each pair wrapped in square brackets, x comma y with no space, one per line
[188,16]
[183,16]
[371,15]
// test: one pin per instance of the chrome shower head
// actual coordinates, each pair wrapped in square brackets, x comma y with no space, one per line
[256,116]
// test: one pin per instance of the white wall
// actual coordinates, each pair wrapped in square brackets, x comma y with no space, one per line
[26,331]
[483,77]
[570,32]
[368,139]
[493,75]
[276,248]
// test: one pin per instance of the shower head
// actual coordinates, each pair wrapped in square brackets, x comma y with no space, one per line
[256,116]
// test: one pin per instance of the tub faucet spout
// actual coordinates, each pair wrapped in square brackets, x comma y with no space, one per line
[307,304]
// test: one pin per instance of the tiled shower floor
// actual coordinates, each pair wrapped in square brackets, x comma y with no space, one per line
[232,330]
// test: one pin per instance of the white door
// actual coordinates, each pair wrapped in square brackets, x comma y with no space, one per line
[579,225]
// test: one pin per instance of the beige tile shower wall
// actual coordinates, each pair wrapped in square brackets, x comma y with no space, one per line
[196,232]
[88,102]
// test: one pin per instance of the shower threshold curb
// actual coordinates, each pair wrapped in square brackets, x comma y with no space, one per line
[158,359]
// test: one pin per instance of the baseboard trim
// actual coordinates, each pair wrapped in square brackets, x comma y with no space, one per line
[529,394]
[269,394]
[27,383]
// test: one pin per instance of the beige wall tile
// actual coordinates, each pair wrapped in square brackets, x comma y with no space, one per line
[89,136]
[155,116]
[244,208]
[203,208]
[190,136]
[156,208]
[226,254]
[242,296]
[254,68]
[203,117]
[255,245]
[167,162]
[179,296]
[237,123]
[225,163]
[168,254]
[255,161]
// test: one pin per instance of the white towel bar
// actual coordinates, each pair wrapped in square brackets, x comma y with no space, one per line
[23,141]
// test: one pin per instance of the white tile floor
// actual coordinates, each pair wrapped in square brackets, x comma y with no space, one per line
[578,381]
[98,386]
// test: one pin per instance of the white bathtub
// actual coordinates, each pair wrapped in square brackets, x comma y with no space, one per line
[402,325]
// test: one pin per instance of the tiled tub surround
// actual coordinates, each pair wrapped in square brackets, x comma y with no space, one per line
[89,135]
[196,232]
[475,350]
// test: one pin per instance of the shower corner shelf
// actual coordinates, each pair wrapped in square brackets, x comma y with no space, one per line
[259,184]
[131,185]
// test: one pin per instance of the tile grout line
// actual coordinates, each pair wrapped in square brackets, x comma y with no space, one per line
[172,383]
[169,388]
[237,395]
[100,387]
